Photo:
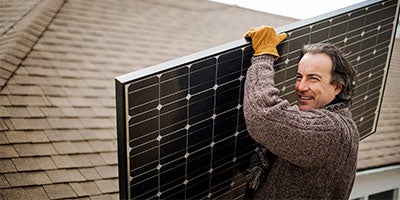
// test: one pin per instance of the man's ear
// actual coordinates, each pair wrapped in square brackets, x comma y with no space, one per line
[338,88]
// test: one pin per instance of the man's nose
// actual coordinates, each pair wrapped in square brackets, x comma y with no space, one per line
[302,85]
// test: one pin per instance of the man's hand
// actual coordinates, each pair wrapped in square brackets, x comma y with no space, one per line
[264,40]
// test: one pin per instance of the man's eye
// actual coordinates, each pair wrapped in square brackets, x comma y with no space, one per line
[314,79]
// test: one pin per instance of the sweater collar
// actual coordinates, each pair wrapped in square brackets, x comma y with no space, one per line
[337,105]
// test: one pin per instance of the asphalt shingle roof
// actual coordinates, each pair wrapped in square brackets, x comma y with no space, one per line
[58,61]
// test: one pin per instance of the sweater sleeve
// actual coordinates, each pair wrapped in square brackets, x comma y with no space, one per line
[304,138]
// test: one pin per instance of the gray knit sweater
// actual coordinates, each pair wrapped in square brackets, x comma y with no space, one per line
[316,149]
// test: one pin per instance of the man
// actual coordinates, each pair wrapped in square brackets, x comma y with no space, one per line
[316,141]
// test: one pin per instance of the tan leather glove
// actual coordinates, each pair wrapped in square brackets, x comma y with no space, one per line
[264,40]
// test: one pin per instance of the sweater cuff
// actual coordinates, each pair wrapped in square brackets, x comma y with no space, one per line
[263,58]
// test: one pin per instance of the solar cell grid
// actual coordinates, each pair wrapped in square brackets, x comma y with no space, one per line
[181,131]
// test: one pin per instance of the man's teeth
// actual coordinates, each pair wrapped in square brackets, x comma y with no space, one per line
[305,98]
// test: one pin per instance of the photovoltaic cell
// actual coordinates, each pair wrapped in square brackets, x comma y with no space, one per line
[181,130]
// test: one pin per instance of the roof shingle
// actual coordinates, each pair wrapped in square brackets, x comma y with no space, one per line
[7,151]
[36,149]
[85,188]
[90,173]
[27,178]
[65,175]
[59,191]
[7,165]
[34,163]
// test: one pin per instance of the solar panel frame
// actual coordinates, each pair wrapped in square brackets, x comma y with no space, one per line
[194,96]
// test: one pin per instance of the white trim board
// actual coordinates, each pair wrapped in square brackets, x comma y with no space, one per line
[375,181]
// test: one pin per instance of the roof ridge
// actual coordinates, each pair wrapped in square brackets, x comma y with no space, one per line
[10,26]
[17,42]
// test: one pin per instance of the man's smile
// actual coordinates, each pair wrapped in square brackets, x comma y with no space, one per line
[305,97]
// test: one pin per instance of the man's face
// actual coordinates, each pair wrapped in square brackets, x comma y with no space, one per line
[313,82]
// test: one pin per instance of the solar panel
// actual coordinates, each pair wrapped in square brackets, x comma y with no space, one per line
[181,131]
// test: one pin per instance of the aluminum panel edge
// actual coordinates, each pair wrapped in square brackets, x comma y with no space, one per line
[123,159]
[387,67]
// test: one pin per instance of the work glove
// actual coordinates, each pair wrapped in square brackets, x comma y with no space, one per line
[264,40]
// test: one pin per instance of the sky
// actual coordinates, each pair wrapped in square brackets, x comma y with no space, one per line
[299,9]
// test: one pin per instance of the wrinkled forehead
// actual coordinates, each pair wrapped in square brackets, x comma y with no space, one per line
[320,64]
